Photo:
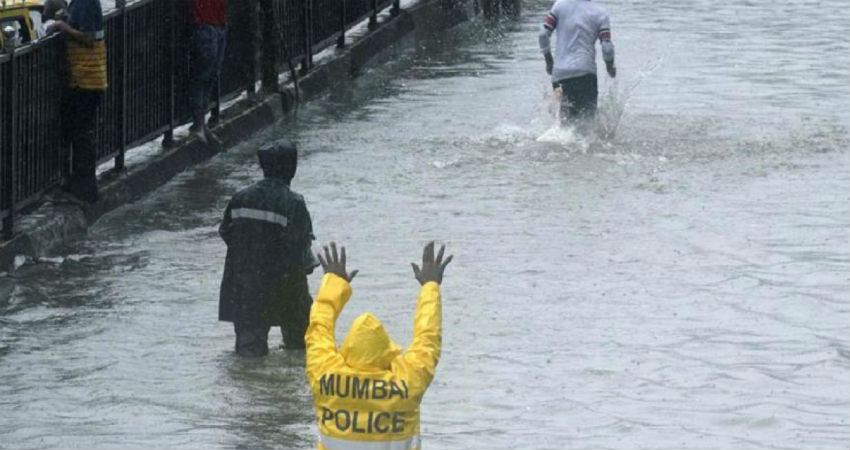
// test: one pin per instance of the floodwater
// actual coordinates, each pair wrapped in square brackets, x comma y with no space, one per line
[684,284]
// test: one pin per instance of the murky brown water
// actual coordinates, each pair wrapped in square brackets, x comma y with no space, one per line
[684,285]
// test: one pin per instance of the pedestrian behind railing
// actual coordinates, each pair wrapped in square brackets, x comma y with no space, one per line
[85,52]
[209,38]
[157,70]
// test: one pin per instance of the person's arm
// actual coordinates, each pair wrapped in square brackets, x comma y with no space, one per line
[550,22]
[304,226]
[334,293]
[607,46]
[85,25]
[225,230]
[85,39]
[424,352]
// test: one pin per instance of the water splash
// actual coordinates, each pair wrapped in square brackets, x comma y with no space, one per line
[565,135]
[612,103]
[609,115]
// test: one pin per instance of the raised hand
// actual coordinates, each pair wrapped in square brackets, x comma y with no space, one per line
[432,268]
[335,263]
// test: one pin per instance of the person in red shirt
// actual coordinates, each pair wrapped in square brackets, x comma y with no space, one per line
[209,39]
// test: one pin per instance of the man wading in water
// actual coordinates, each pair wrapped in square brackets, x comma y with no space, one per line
[578,23]
[268,232]
[367,393]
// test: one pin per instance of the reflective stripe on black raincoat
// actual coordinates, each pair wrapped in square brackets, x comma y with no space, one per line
[268,232]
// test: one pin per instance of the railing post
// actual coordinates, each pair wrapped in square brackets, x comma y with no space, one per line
[7,112]
[270,43]
[231,41]
[168,136]
[396,9]
[373,18]
[307,17]
[11,159]
[11,156]
[122,145]
[252,24]
[216,110]
[340,41]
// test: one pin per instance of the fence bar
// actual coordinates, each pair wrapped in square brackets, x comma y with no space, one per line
[11,156]
[5,132]
[271,41]
[340,41]
[122,142]
[168,137]
[216,110]
[307,64]
[373,19]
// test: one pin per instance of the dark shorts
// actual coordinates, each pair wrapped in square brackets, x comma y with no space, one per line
[580,95]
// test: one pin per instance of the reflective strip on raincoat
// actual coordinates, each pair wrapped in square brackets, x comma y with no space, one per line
[367,393]
[329,443]
[259,214]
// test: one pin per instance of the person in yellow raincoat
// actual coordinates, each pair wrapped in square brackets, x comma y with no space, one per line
[367,392]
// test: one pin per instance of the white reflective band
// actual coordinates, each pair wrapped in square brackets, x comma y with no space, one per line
[332,443]
[258,214]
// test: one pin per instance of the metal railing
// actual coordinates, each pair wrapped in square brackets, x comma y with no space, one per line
[148,70]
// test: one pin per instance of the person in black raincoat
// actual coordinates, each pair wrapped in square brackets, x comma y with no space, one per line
[268,233]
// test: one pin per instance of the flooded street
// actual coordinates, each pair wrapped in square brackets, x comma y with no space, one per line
[685,284]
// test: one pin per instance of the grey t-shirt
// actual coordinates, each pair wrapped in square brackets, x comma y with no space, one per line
[578,24]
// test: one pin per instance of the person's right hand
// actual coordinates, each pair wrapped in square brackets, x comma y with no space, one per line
[335,264]
[55,26]
[432,268]
[549,62]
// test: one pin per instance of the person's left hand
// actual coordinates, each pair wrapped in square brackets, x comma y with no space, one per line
[611,68]
[335,263]
[549,62]
[432,267]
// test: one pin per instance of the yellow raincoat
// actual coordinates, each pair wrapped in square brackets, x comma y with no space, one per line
[367,393]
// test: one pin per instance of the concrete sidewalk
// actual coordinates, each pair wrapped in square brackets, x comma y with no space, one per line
[49,226]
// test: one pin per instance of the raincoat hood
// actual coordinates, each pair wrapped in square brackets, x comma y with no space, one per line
[279,160]
[368,346]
